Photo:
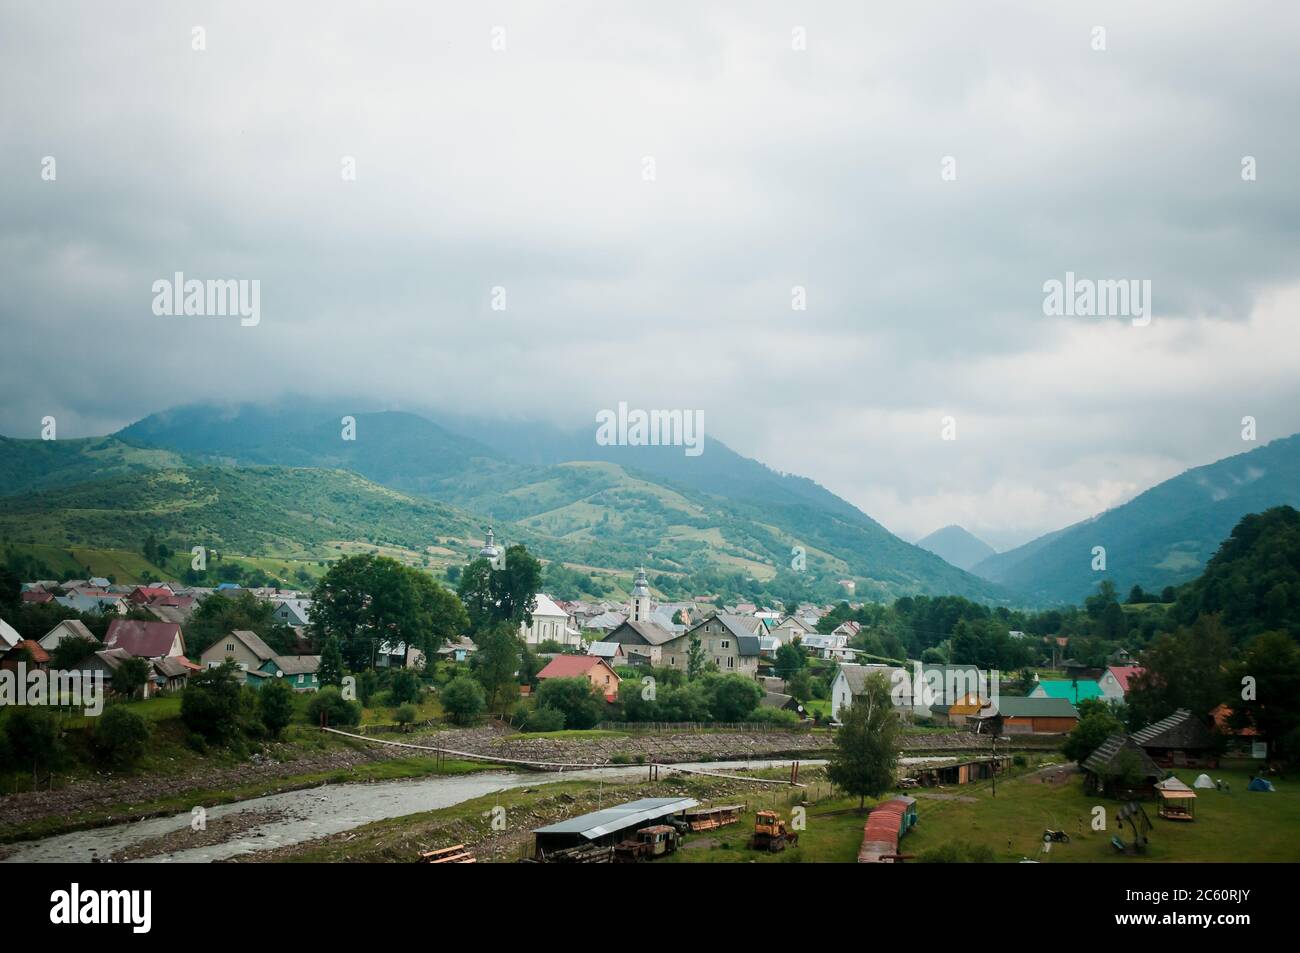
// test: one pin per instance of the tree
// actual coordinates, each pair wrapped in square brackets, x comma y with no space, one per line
[575,697]
[508,594]
[404,687]
[1096,724]
[697,661]
[329,705]
[1272,662]
[330,670]
[130,676]
[275,702]
[1183,669]
[365,600]
[866,744]
[121,737]
[33,736]
[497,662]
[71,651]
[405,715]
[463,700]
[732,697]
[790,658]
[214,618]
[210,704]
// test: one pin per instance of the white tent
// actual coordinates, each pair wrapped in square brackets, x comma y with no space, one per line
[1203,782]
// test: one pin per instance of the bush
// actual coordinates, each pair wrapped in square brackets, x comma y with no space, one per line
[404,715]
[275,702]
[773,716]
[404,687]
[33,737]
[121,737]
[575,698]
[1019,760]
[463,700]
[338,712]
[211,705]
[544,719]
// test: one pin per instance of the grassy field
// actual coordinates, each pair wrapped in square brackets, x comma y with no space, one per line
[1238,827]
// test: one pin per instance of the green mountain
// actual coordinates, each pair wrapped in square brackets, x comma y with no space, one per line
[957,546]
[1160,538]
[692,526]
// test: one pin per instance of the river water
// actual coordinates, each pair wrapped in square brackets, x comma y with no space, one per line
[330,809]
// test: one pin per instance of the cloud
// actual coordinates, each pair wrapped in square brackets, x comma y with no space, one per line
[523,169]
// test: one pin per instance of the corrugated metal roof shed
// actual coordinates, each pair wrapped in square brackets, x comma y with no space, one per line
[614,819]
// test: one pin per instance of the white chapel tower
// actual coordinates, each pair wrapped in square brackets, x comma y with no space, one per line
[640,598]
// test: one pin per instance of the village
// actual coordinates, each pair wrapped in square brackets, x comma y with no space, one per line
[692,730]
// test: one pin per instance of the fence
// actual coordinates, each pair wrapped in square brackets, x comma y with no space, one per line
[749,726]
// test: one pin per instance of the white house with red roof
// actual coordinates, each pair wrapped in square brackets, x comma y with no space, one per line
[151,640]
[1114,682]
[551,624]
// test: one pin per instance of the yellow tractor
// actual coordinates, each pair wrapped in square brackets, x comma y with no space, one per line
[770,833]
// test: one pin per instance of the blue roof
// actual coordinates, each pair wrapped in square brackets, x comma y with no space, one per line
[1064,688]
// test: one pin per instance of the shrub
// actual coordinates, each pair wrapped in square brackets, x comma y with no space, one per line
[544,719]
[404,687]
[211,705]
[337,710]
[463,700]
[404,715]
[575,698]
[275,702]
[121,736]
[34,742]
[773,716]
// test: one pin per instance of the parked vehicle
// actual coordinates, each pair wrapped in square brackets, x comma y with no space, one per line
[771,833]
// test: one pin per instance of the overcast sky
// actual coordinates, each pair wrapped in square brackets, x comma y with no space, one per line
[820,167]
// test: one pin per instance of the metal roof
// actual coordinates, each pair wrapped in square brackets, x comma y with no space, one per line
[614,819]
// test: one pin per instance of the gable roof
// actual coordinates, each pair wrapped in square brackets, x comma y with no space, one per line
[254,643]
[297,664]
[856,675]
[572,666]
[1065,688]
[9,636]
[1031,706]
[171,667]
[33,648]
[73,627]
[1123,673]
[1106,756]
[645,633]
[1180,730]
[605,650]
[143,639]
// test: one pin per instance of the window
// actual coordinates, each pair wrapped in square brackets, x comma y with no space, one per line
[731,661]
[726,644]
[230,646]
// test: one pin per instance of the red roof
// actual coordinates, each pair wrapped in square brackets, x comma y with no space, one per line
[143,639]
[38,655]
[37,595]
[570,666]
[1123,673]
[149,594]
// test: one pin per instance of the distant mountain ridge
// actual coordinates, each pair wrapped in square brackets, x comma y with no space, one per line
[1162,537]
[607,508]
[958,546]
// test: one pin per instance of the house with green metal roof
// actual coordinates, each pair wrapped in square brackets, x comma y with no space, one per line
[1073,692]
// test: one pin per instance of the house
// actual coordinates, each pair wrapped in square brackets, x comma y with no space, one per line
[824,646]
[960,712]
[27,651]
[299,671]
[604,622]
[642,642]
[1181,740]
[611,652]
[143,595]
[1071,690]
[782,702]
[1114,682]
[293,612]
[398,655]
[850,681]
[99,582]
[1120,755]
[37,596]
[245,647]
[93,601]
[1238,741]
[458,651]
[9,636]
[791,628]
[67,629]
[170,673]
[1010,715]
[108,661]
[729,641]
[550,624]
[145,639]
[595,670]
